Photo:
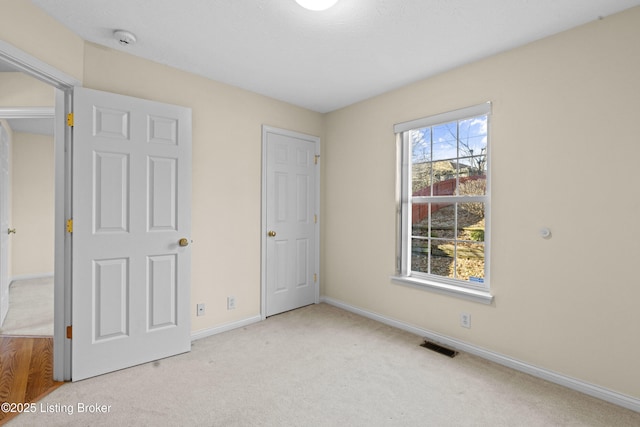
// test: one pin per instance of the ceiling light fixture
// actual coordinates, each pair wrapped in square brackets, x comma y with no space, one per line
[316,5]
[125,38]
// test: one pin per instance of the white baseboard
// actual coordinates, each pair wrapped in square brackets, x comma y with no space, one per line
[203,333]
[554,377]
[31,277]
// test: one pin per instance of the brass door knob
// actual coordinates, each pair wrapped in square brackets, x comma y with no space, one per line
[11,231]
[183,242]
[271,233]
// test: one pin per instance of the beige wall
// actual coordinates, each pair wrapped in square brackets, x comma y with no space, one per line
[564,143]
[21,90]
[32,204]
[226,171]
[30,29]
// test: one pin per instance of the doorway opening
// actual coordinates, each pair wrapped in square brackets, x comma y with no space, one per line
[62,87]
[27,217]
[29,192]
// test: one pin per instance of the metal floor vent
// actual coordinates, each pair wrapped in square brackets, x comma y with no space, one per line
[438,348]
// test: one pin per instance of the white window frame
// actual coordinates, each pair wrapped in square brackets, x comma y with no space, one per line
[478,292]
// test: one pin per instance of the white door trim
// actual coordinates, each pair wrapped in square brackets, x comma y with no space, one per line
[36,68]
[4,222]
[27,113]
[64,84]
[263,221]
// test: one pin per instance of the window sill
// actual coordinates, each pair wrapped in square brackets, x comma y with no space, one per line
[475,295]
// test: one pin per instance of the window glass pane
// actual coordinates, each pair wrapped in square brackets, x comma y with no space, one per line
[470,262]
[421,179]
[473,146]
[420,255]
[474,166]
[442,257]
[445,145]
[421,169]
[472,186]
[444,178]
[471,221]
[420,237]
[420,220]
[473,136]
[420,145]
[443,220]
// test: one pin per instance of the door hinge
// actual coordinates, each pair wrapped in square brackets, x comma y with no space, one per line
[315,159]
[69,226]
[69,332]
[315,219]
[315,277]
[70,119]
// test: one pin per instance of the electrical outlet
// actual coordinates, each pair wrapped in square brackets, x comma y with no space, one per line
[231,303]
[465,320]
[200,309]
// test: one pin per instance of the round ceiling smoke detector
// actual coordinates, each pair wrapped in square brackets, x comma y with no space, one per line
[125,38]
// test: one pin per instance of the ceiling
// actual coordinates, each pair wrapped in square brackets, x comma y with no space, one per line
[323,60]
[41,126]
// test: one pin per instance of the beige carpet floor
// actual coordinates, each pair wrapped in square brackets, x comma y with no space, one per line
[321,366]
[30,308]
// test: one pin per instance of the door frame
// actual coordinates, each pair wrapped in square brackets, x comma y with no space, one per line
[5,224]
[63,85]
[263,219]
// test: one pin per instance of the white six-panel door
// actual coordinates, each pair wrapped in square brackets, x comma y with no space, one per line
[131,207]
[291,259]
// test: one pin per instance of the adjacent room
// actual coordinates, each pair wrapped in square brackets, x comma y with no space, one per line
[26,105]
[389,213]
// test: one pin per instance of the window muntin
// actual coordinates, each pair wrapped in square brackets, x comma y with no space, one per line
[444,198]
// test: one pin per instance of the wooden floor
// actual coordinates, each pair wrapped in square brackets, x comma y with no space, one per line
[26,370]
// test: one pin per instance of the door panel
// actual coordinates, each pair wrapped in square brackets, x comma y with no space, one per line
[163,291]
[111,291]
[111,193]
[162,194]
[290,198]
[131,206]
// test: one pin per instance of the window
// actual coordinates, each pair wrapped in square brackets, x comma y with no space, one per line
[443,202]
